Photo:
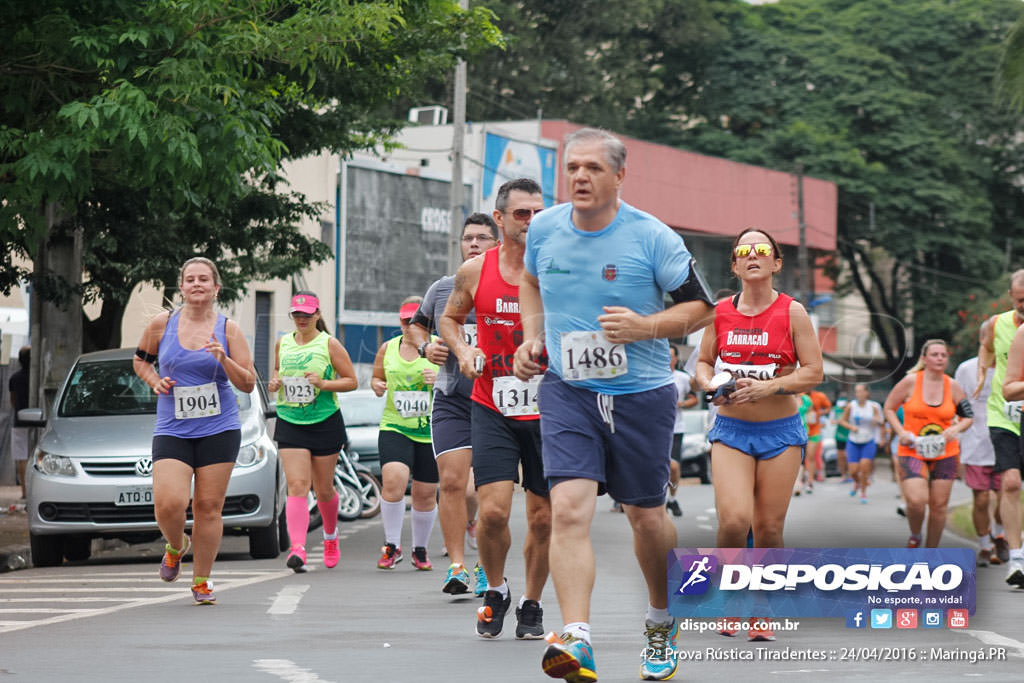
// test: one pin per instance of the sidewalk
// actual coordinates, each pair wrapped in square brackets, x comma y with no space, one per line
[14,551]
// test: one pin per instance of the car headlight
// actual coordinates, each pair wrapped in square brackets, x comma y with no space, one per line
[250,455]
[54,465]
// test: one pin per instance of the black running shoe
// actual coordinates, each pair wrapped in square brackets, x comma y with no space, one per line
[673,507]
[529,621]
[491,616]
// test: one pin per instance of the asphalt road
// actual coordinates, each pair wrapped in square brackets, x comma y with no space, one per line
[111,618]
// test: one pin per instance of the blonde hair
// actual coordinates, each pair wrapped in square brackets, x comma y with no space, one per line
[919,365]
[206,262]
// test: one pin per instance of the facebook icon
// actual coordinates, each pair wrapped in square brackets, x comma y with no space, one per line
[855,619]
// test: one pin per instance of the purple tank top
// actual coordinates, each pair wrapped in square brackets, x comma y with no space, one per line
[190,369]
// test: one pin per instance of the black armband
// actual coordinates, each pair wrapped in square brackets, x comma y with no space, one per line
[695,288]
[964,409]
[147,357]
[418,318]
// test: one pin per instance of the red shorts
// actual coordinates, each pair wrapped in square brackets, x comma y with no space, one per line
[982,478]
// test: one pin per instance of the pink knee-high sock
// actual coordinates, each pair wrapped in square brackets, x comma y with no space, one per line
[296,512]
[329,512]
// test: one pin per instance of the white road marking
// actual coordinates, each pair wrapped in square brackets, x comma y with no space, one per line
[179,593]
[40,610]
[711,511]
[1014,648]
[287,599]
[286,670]
[705,527]
[702,518]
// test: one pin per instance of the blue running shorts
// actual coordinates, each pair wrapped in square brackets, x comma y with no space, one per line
[855,452]
[622,441]
[450,423]
[761,440]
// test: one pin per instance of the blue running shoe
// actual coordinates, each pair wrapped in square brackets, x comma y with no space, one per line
[480,579]
[658,661]
[457,580]
[569,658]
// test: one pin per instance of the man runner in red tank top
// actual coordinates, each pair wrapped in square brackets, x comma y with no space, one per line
[505,420]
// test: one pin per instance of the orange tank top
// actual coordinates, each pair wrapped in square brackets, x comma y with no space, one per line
[923,420]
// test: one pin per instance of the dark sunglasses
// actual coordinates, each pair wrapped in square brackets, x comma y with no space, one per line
[524,214]
[299,314]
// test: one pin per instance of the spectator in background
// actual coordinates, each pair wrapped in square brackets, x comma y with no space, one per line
[685,398]
[18,386]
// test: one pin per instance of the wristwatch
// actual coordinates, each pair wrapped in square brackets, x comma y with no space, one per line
[422,349]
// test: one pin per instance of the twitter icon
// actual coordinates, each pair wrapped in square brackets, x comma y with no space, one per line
[881,618]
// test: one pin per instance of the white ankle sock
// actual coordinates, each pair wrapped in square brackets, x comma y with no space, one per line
[658,616]
[579,629]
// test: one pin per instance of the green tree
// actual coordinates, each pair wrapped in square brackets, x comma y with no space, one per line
[893,101]
[158,128]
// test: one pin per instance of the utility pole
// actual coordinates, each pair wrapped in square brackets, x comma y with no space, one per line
[806,276]
[455,201]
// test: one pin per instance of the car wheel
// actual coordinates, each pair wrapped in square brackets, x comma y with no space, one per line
[264,542]
[371,494]
[704,469]
[283,540]
[47,550]
[77,548]
[350,503]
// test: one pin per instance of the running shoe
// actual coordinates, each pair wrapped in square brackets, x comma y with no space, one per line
[1015,573]
[673,507]
[901,510]
[914,542]
[529,621]
[297,558]
[480,581]
[796,493]
[569,658]
[490,617]
[809,489]
[863,500]
[202,593]
[170,565]
[332,553]
[1002,549]
[726,631]
[390,555]
[456,582]
[471,534]
[420,559]
[983,556]
[658,661]
[756,635]
[853,492]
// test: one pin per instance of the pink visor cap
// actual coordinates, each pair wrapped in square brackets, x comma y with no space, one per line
[304,303]
[407,311]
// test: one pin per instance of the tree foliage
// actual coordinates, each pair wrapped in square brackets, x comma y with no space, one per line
[160,127]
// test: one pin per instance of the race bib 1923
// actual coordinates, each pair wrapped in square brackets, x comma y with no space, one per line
[298,390]
[198,401]
[589,355]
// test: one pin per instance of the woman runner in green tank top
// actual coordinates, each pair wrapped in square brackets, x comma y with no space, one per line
[404,442]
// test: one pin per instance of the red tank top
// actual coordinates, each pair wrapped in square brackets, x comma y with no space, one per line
[755,340]
[499,329]
[921,419]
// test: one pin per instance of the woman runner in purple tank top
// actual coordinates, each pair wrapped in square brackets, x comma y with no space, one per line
[197,434]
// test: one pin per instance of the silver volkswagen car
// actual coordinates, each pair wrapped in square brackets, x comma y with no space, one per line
[91,473]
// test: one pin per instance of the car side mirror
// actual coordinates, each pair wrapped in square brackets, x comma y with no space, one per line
[32,417]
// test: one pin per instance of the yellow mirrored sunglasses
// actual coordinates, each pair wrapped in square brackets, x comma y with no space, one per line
[760,248]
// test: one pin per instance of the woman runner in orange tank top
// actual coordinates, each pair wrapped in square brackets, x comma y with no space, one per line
[935,411]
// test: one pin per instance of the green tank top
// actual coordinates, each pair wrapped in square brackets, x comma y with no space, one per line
[841,431]
[1003,332]
[298,401]
[409,398]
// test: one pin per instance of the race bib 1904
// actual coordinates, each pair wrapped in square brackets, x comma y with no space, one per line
[589,355]
[514,397]
[411,403]
[298,390]
[198,401]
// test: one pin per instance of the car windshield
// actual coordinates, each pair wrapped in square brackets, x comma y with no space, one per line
[111,387]
[361,409]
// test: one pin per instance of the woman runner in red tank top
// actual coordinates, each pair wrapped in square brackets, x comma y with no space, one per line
[766,342]
[935,411]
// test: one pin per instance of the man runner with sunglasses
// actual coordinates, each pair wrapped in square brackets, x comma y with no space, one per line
[597,272]
[450,416]
[505,419]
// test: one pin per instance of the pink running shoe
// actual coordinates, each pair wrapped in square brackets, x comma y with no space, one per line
[332,553]
[420,559]
[202,593]
[170,565]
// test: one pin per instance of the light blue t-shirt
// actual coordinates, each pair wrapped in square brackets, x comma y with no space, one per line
[632,262]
